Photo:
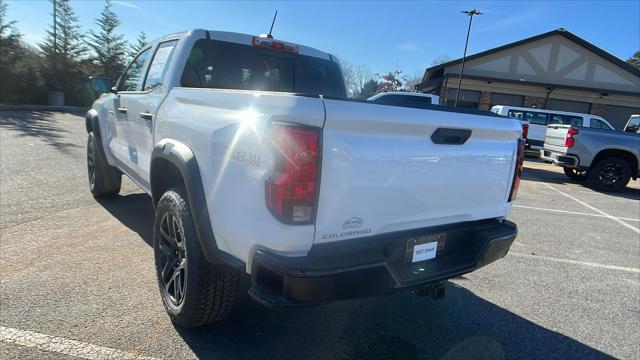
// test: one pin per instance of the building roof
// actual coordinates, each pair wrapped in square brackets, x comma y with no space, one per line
[608,56]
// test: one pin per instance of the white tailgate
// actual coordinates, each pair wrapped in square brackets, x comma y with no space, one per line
[555,137]
[382,173]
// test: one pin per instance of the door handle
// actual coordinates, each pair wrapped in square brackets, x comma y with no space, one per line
[146,116]
[122,110]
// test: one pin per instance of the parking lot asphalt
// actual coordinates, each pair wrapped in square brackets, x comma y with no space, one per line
[77,277]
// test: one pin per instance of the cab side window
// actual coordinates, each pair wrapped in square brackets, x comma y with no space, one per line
[556,119]
[536,118]
[159,63]
[599,124]
[132,78]
[573,120]
[516,114]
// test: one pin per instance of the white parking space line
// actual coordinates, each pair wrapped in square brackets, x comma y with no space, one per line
[64,346]
[593,208]
[575,262]
[572,212]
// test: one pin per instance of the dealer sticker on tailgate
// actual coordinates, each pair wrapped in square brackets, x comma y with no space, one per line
[424,247]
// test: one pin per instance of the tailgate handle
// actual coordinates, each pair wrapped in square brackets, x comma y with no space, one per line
[448,136]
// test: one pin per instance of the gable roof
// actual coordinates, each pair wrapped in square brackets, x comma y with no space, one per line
[614,59]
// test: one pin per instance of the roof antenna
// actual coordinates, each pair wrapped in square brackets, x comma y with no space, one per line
[272,23]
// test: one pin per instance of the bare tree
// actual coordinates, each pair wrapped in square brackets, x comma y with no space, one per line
[412,80]
[355,76]
[441,59]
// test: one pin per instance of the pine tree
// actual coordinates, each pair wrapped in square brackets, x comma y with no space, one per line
[635,59]
[63,52]
[10,54]
[9,41]
[141,41]
[109,48]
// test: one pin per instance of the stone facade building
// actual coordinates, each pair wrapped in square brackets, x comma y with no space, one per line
[555,70]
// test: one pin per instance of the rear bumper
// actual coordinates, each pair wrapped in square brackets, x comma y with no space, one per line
[560,159]
[376,265]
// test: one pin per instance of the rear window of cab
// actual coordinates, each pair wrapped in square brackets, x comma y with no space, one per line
[225,65]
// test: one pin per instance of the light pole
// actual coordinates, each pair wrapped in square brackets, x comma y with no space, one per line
[470,13]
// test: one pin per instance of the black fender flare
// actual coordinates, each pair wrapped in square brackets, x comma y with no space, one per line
[181,156]
[92,125]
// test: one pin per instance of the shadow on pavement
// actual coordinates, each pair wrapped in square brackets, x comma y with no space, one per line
[39,124]
[134,211]
[552,177]
[399,326]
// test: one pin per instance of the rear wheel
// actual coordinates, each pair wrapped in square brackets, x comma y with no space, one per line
[610,174]
[104,179]
[194,292]
[575,174]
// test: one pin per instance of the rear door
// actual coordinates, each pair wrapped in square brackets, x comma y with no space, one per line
[383,170]
[142,108]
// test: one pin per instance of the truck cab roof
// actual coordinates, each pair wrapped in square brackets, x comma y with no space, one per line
[238,38]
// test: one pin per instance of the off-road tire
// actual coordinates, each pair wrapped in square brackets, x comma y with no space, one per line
[104,179]
[574,174]
[210,290]
[610,174]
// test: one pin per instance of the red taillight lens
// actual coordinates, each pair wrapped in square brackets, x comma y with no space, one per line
[518,171]
[291,190]
[569,141]
[525,130]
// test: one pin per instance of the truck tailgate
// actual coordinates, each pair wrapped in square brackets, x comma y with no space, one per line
[382,172]
[555,138]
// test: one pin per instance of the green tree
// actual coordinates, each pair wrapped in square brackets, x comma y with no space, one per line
[635,59]
[369,89]
[109,48]
[10,50]
[20,64]
[141,41]
[63,50]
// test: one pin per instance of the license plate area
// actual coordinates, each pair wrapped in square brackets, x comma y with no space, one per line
[425,248]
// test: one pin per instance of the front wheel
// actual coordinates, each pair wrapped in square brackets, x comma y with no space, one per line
[194,292]
[575,174]
[610,174]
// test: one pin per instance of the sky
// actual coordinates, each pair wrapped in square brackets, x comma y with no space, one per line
[383,35]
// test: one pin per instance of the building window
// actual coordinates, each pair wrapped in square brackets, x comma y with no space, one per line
[506,99]
[467,98]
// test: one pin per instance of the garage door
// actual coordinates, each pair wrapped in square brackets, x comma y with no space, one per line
[618,115]
[571,106]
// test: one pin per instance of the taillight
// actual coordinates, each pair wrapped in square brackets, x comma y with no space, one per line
[518,171]
[291,190]
[525,131]
[275,45]
[569,141]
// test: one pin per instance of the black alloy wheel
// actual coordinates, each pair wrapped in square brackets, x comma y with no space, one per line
[173,262]
[611,174]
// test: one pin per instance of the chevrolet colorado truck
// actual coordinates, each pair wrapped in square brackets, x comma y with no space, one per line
[607,159]
[259,167]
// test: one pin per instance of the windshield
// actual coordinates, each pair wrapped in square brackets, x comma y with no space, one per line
[224,65]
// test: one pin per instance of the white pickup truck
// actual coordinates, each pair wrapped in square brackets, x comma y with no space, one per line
[257,164]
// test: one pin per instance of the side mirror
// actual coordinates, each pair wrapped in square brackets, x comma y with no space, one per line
[113,90]
[99,84]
